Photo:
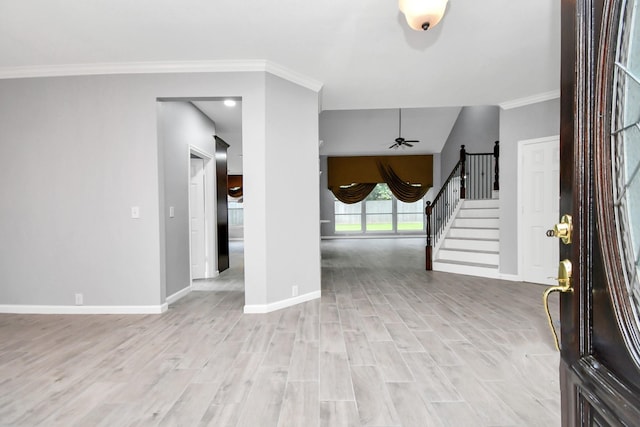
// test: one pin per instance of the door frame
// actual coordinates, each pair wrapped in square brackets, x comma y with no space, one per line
[210,238]
[520,198]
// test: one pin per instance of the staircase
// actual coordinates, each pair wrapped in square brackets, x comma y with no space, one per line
[471,243]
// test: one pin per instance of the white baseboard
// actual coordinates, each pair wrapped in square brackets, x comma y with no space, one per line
[83,309]
[180,294]
[511,277]
[268,308]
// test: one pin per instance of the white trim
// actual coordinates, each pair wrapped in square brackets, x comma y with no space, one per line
[178,295]
[293,76]
[200,152]
[533,99]
[268,308]
[510,277]
[160,68]
[83,309]
[211,238]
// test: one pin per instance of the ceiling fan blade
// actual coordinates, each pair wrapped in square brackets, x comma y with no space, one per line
[406,143]
[412,140]
[394,145]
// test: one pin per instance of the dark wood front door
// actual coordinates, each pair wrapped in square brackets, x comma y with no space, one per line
[600,188]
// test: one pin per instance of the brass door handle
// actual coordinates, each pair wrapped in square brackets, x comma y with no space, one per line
[563,230]
[564,285]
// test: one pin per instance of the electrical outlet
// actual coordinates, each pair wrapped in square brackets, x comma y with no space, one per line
[79,299]
[294,291]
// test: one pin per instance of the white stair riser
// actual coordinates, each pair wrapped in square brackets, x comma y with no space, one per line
[466,269]
[475,233]
[479,213]
[473,257]
[475,245]
[485,203]
[477,222]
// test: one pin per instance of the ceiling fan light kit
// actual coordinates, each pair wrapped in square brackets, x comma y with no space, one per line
[423,14]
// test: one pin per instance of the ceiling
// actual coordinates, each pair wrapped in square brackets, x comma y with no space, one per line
[372,132]
[361,52]
[228,124]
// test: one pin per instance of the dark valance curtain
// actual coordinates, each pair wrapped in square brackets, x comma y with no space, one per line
[353,193]
[404,191]
[351,179]
[235,192]
[234,186]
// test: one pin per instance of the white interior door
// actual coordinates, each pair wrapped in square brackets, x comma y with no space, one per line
[539,208]
[197,220]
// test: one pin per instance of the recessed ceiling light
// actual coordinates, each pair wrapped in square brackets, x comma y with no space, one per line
[229,102]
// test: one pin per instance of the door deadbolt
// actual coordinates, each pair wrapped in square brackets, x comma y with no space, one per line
[562,230]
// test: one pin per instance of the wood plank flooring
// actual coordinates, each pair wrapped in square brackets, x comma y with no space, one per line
[388,344]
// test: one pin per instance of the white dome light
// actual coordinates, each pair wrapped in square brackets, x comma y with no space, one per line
[423,14]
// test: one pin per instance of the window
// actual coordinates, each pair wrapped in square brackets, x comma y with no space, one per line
[378,209]
[380,212]
[410,216]
[236,213]
[348,217]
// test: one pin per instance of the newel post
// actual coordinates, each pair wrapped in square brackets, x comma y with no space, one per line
[496,155]
[463,172]
[428,261]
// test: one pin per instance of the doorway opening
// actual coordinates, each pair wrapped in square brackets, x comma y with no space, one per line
[202,260]
[194,187]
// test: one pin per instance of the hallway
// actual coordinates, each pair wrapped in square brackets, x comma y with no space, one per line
[389,344]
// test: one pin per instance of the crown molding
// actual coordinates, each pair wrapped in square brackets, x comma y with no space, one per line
[293,76]
[534,99]
[160,68]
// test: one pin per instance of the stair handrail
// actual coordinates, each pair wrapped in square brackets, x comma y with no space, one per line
[450,197]
[447,199]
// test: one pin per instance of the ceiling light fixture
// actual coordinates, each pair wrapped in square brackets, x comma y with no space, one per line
[423,14]
[229,102]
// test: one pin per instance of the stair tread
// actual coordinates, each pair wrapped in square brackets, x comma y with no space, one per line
[475,251]
[474,228]
[475,239]
[470,264]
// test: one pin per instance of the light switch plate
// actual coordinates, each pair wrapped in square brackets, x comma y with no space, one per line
[135,212]
[172,211]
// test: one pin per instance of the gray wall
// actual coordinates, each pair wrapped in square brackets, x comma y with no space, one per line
[76,153]
[293,241]
[519,124]
[477,128]
[180,125]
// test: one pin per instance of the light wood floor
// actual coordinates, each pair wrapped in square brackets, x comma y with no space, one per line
[387,345]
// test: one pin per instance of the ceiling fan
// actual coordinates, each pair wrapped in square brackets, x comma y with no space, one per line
[400,141]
